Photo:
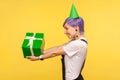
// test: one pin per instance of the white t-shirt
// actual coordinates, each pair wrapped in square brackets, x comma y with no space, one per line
[76,54]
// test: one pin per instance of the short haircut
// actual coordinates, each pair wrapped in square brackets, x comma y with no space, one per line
[76,22]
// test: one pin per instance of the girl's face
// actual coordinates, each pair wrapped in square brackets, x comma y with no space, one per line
[70,31]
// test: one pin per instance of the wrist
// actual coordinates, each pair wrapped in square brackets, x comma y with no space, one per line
[41,57]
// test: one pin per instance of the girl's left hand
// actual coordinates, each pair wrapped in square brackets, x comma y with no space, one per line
[32,58]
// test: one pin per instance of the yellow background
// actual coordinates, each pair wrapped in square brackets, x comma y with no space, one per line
[102,29]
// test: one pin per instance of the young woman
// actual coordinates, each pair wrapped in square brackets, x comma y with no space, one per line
[73,52]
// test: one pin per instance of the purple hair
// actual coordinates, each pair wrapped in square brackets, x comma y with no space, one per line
[76,22]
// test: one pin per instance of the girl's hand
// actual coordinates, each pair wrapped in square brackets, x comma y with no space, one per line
[32,58]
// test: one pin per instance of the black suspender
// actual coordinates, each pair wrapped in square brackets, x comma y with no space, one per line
[84,41]
[63,68]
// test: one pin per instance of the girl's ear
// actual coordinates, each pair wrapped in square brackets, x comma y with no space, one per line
[76,28]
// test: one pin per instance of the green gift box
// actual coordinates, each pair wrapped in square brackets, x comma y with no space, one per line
[33,44]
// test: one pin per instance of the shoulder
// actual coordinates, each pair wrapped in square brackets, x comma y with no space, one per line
[73,44]
[83,42]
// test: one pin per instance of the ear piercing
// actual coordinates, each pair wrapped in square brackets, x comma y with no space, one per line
[76,35]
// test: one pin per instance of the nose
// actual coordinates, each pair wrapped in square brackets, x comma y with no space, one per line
[65,32]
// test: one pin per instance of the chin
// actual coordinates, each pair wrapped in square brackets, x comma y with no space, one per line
[70,37]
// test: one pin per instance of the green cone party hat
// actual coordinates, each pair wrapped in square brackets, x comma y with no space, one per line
[73,13]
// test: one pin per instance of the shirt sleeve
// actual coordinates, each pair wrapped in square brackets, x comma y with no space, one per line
[71,48]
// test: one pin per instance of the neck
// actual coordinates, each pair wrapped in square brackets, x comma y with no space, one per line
[79,36]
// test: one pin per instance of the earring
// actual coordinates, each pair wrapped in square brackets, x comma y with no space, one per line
[76,35]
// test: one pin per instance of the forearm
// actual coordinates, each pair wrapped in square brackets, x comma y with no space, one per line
[52,52]
[46,54]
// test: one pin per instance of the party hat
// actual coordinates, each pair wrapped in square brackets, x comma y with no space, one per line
[73,13]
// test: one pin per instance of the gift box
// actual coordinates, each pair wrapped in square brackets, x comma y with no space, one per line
[33,44]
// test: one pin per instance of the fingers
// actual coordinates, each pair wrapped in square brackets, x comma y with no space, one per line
[28,57]
[32,58]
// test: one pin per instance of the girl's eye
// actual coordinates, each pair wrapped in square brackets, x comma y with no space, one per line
[66,28]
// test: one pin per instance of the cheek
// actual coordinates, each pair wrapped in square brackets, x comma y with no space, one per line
[72,31]
[68,31]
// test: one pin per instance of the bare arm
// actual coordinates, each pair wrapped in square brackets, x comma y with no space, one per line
[51,52]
